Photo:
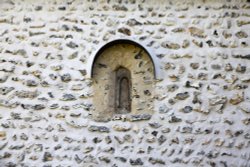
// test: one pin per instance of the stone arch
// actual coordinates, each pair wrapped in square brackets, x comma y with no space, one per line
[123,76]
[156,63]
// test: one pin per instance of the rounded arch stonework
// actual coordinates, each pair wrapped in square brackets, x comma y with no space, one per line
[156,63]
[117,61]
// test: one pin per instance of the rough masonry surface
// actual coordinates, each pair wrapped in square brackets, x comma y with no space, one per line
[201,105]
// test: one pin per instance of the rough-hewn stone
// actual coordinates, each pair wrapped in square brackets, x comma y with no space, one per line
[195,114]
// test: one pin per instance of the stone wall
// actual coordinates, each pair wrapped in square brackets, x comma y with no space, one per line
[201,103]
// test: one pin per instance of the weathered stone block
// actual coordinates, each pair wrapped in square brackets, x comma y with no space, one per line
[94,128]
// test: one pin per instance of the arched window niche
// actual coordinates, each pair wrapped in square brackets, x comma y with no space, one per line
[123,75]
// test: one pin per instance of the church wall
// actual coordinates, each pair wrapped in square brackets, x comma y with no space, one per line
[201,102]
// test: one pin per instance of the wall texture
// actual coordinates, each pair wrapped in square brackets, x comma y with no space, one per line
[201,104]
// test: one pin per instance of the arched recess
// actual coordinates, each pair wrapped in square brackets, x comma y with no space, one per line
[155,61]
[123,76]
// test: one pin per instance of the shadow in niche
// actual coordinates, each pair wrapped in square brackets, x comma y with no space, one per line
[122,91]
[120,80]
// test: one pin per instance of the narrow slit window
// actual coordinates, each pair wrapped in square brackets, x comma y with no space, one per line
[123,91]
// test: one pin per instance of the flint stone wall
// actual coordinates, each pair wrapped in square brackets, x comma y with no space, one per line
[201,104]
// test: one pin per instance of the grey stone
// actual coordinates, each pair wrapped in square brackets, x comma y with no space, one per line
[49,128]
[122,159]
[133,22]
[186,129]
[31,83]
[125,31]
[242,56]
[68,97]
[119,8]
[65,27]
[38,148]
[128,138]
[147,92]
[89,159]
[73,55]
[137,161]
[187,109]
[108,139]
[96,140]
[83,72]
[155,125]
[182,96]
[178,30]
[72,45]
[38,8]
[240,68]
[29,63]
[54,106]
[119,139]
[140,117]
[21,52]
[47,157]
[77,159]
[2,146]
[241,34]
[188,152]
[38,107]
[194,65]
[27,94]
[196,98]
[163,109]
[169,66]
[165,130]
[77,29]
[246,136]
[66,77]
[62,8]
[16,147]
[31,34]
[154,133]
[216,66]
[228,121]
[23,136]
[202,76]
[185,43]
[246,121]
[10,164]
[172,87]
[105,159]
[56,67]
[170,45]
[161,139]
[156,161]
[68,139]
[212,154]
[174,119]
[94,128]
[15,116]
